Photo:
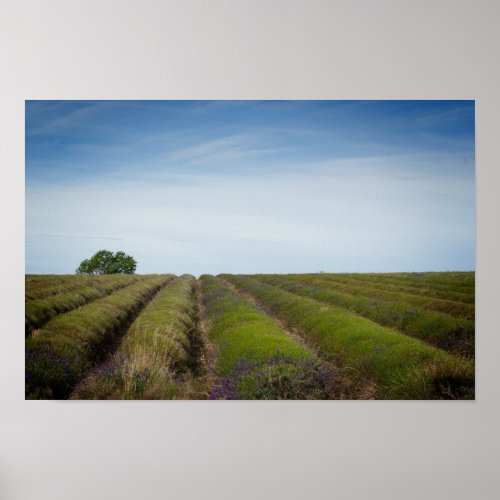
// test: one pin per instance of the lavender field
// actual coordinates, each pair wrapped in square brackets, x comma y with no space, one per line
[251,337]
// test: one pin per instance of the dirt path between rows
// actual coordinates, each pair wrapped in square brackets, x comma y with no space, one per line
[202,377]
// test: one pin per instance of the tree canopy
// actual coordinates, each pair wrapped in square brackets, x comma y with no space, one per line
[106,262]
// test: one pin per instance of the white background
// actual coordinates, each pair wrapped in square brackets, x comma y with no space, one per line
[248,50]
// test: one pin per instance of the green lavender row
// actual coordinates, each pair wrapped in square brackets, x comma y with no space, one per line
[455,335]
[257,359]
[445,289]
[386,294]
[400,367]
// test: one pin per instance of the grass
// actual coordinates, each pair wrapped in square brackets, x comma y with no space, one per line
[156,348]
[80,292]
[455,335]
[59,354]
[401,367]
[256,359]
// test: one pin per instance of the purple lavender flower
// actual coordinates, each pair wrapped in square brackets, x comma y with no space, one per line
[279,377]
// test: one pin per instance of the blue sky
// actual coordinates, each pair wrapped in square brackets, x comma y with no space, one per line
[251,186]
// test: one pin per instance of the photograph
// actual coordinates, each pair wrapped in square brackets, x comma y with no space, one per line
[250,249]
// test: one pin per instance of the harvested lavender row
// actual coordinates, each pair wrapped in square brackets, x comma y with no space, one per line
[39,286]
[40,311]
[400,367]
[59,354]
[256,359]
[156,348]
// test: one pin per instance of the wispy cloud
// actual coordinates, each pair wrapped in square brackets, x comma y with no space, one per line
[248,187]
[76,236]
[333,212]
[443,117]
[234,147]
[64,119]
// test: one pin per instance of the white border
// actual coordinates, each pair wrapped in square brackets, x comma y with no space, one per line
[248,50]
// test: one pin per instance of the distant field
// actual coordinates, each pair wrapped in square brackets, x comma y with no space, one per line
[266,336]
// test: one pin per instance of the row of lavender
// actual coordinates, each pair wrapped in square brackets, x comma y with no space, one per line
[414,315]
[66,347]
[256,359]
[90,354]
[65,293]
[377,361]
[448,299]
[145,341]
[155,352]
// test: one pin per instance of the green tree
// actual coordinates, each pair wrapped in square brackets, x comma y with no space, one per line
[106,262]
